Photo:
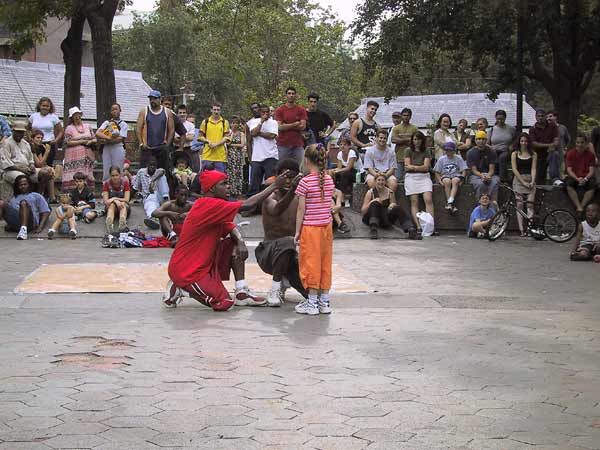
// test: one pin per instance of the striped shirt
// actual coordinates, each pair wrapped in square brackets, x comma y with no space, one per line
[318,210]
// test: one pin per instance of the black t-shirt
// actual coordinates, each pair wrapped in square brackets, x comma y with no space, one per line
[84,196]
[38,149]
[195,186]
[318,121]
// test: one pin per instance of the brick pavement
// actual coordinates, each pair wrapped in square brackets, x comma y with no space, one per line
[494,351]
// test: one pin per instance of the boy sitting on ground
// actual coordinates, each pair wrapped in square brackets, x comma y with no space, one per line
[83,199]
[587,243]
[481,217]
[65,218]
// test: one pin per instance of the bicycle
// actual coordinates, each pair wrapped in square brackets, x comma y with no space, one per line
[558,225]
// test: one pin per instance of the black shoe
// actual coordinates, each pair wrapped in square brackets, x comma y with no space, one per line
[412,233]
[343,228]
[373,234]
[151,223]
[419,235]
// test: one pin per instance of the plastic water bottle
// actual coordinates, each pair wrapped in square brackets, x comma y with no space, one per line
[358,177]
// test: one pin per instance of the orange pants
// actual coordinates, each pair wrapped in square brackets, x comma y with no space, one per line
[316,256]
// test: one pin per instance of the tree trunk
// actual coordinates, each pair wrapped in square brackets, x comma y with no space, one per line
[100,16]
[568,111]
[72,48]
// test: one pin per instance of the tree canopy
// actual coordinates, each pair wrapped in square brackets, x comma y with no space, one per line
[466,38]
[240,52]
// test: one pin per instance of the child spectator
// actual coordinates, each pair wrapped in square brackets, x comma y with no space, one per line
[83,199]
[41,156]
[450,171]
[524,167]
[481,159]
[587,243]
[182,171]
[336,211]
[417,163]
[581,165]
[313,231]
[379,210]
[65,218]
[116,193]
[481,217]
[345,172]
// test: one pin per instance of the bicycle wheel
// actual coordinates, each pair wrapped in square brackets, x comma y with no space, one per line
[498,225]
[560,225]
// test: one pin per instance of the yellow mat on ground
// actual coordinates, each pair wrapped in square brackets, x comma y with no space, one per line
[122,278]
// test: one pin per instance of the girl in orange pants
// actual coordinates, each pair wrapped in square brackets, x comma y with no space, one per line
[313,231]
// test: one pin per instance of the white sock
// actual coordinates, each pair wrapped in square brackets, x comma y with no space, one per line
[312,299]
[240,284]
[24,228]
[276,285]
[324,298]
[450,199]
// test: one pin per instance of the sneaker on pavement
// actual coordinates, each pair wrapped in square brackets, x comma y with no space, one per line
[324,307]
[343,228]
[51,233]
[412,233]
[151,223]
[274,298]
[172,295]
[22,236]
[373,233]
[172,235]
[448,207]
[245,297]
[73,234]
[221,305]
[307,307]
[454,209]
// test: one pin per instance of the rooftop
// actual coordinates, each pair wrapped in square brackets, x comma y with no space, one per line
[22,84]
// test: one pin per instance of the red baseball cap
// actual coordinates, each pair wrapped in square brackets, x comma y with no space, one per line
[209,178]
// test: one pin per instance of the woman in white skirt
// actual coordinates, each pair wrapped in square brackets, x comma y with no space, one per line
[523,163]
[417,164]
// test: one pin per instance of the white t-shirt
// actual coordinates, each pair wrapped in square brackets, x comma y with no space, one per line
[351,154]
[189,127]
[263,148]
[45,124]
[123,128]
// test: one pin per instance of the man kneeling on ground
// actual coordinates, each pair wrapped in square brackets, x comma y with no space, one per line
[587,243]
[277,254]
[171,214]
[211,246]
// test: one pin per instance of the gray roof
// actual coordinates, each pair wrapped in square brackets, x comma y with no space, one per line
[427,108]
[23,83]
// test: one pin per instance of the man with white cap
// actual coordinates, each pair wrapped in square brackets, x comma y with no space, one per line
[16,158]
[155,130]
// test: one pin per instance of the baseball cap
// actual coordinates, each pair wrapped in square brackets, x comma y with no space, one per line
[396,114]
[154,93]
[481,135]
[449,146]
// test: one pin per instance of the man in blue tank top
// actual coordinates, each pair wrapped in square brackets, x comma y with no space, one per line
[155,131]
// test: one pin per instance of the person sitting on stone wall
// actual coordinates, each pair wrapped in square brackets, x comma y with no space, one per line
[381,159]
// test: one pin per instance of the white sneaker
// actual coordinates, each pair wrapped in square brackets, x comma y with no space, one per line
[245,297]
[22,236]
[172,235]
[51,233]
[73,234]
[324,307]
[274,297]
[172,296]
[307,308]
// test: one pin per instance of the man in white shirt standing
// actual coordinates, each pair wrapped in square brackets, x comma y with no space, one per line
[264,158]
[185,142]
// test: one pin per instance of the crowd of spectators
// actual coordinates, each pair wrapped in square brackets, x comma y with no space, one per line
[174,148]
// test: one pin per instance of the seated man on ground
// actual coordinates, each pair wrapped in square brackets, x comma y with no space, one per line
[450,171]
[83,199]
[211,246]
[587,242]
[481,159]
[152,184]
[277,254]
[116,194]
[381,159]
[580,180]
[65,218]
[481,217]
[379,210]
[26,212]
[171,214]
[16,158]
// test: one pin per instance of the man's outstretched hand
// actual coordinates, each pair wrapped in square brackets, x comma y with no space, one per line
[281,179]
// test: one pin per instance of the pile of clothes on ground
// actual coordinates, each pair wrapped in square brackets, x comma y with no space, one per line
[134,239]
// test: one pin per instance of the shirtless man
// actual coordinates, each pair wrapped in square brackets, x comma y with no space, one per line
[172,213]
[277,254]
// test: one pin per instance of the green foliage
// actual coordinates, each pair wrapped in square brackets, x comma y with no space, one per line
[586,124]
[237,52]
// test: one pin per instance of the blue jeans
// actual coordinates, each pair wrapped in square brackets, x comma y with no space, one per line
[400,172]
[554,165]
[218,165]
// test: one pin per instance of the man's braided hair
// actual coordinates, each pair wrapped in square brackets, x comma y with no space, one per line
[317,154]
